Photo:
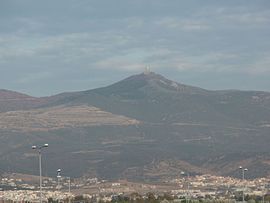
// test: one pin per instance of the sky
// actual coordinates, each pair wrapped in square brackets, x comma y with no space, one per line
[53,46]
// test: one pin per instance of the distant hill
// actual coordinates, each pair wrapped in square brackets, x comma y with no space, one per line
[10,101]
[145,127]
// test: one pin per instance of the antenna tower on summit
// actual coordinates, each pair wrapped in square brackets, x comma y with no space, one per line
[147,70]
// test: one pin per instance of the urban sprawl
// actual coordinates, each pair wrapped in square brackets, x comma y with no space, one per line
[184,188]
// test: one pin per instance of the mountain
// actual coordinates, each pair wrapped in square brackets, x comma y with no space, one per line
[152,98]
[144,127]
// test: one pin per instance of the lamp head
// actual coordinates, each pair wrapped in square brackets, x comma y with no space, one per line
[46,145]
[245,169]
[59,170]
[240,167]
[34,147]
[182,173]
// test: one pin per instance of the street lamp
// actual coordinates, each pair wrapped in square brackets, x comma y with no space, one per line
[39,149]
[263,195]
[58,178]
[188,193]
[243,178]
[69,189]
[68,184]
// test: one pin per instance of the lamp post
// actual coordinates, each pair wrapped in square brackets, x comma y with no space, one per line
[263,197]
[243,178]
[58,178]
[188,193]
[68,189]
[264,192]
[39,149]
[68,184]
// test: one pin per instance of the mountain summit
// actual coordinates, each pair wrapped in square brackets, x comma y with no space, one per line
[150,81]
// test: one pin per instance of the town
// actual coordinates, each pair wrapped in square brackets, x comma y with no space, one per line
[199,187]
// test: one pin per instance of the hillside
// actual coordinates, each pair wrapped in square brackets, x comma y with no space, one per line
[10,101]
[59,117]
[145,127]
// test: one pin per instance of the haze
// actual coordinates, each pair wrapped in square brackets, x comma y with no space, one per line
[48,47]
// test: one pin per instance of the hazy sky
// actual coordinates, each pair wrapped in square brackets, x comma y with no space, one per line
[50,46]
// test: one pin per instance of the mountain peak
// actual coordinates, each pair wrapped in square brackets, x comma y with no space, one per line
[149,75]
[160,82]
[148,81]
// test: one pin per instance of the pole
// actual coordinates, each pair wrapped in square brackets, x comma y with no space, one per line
[69,189]
[69,184]
[264,192]
[39,149]
[187,182]
[40,177]
[58,178]
[188,187]
[243,178]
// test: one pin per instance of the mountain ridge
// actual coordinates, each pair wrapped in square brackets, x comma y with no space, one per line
[148,76]
[138,94]
[9,94]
